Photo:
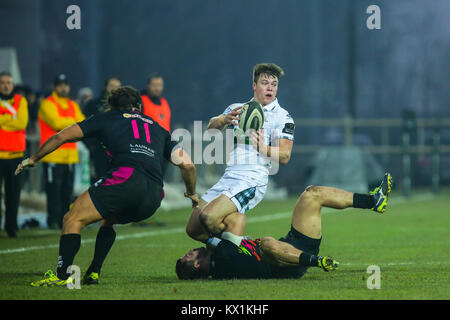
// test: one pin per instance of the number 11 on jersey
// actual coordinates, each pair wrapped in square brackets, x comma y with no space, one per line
[136,130]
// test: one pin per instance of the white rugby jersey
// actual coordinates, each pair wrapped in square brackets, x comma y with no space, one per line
[278,124]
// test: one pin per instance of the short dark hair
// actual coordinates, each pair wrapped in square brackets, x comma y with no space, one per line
[153,76]
[125,98]
[5,73]
[186,271]
[270,69]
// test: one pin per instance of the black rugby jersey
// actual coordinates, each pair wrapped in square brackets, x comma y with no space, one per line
[231,261]
[245,261]
[132,140]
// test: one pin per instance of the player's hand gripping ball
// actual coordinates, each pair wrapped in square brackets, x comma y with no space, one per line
[252,116]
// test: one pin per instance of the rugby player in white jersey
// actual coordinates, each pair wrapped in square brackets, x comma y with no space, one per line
[244,182]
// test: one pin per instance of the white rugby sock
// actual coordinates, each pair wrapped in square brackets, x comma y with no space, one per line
[232,237]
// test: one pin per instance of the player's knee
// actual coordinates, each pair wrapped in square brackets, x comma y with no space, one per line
[66,218]
[75,218]
[71,220]
[235,222]
[312,193]
[268,243]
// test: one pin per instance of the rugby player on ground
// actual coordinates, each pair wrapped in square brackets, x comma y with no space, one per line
[130,192]
[244,182]
[288,257]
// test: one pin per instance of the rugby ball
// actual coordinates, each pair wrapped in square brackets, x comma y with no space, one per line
[251,117]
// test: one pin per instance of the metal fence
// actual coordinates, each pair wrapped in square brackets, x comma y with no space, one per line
[405,128]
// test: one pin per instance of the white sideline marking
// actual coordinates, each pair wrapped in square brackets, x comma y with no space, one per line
[269,217]
[121,237]
[393,263]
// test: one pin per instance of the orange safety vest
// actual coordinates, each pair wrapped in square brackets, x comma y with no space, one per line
[159,113]
[12,140]
[47,131]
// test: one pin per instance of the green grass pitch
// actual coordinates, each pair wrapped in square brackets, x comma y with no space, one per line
[410,243]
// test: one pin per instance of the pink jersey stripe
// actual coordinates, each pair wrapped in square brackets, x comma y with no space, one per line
[119,176]
[135,129]
[147,132]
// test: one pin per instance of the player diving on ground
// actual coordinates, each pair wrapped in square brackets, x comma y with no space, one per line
[130,192]
[289,257]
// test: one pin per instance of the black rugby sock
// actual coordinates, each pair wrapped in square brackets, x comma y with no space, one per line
[363,201]
[69,244]
[308,260]
[105,239]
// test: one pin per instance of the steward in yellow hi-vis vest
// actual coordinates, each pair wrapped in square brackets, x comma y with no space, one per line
[13,121]
[57,112]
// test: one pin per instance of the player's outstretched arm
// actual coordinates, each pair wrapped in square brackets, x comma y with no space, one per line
[69,134]
[220,122]
[188,172]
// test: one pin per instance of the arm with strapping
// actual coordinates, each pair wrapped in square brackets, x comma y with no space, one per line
[70,134]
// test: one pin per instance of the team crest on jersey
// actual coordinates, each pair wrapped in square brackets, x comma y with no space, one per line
[136,115]
[289,128]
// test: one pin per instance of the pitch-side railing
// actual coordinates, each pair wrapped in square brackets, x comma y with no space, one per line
[408,125]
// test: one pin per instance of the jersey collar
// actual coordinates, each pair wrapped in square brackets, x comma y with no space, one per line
[270,106]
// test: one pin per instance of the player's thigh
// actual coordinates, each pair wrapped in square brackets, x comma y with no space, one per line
[193,225]
[83,211]
[276,251]
[235,223]
[219,208]
[307,217]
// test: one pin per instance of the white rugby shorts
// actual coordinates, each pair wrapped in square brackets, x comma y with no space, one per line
[245,192]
